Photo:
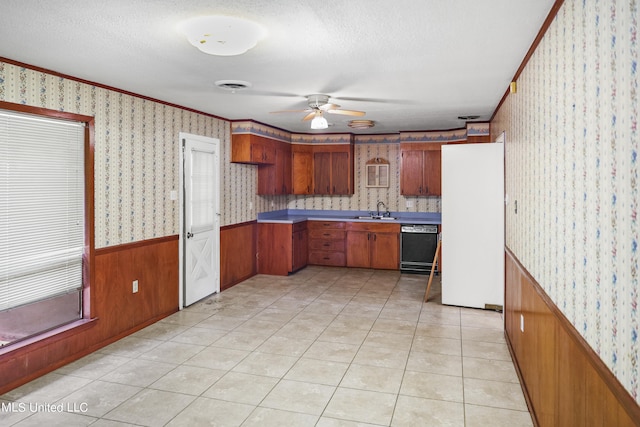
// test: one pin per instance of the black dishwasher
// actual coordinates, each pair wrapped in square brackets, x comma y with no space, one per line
[418,244]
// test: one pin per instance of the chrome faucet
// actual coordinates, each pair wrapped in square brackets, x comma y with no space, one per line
[385,207]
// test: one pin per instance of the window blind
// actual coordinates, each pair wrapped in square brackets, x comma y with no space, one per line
[202,191]
[41,208]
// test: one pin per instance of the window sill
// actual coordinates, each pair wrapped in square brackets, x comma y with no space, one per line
[49,337]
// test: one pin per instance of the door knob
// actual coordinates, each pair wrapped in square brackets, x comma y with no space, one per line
[189,235]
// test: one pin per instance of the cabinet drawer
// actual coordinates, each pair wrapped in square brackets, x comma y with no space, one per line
[327,234]
[321,225]
[326,245]
[376,227]
[336,259]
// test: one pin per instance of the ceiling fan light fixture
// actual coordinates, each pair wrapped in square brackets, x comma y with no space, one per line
[361,124]
[319,122]
[222,35]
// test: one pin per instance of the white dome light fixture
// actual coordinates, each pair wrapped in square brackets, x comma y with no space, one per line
[319,122]
[222,35]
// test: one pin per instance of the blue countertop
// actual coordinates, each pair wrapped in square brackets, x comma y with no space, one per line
[291,216]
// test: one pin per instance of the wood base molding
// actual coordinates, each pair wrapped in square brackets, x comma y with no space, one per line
[116,311]
[565,382]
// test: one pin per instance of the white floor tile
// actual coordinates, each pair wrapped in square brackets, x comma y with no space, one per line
[325,347]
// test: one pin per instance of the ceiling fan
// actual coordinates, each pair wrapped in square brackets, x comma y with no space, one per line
[318,105]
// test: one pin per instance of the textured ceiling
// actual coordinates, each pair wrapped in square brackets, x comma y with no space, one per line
[409,64]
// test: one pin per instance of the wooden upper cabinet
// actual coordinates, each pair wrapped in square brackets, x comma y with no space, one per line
[275,179]
[421,170]
[412,173]
[284,159]
[285,168]
[333,169]
[341,171]
[252,149]
[301,169]
[322,173]
[433,172]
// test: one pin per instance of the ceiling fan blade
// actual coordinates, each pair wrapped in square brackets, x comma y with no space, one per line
[309,116]
[376,100]
[327,107]
[290,111]
[347,112]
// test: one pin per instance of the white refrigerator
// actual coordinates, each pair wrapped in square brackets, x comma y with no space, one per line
[473,225]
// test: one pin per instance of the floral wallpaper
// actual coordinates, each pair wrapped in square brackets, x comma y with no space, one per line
[571,150]
[136,154]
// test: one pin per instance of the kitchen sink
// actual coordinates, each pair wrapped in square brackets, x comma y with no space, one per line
[377,217]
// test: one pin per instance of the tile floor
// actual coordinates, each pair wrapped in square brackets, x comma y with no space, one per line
[324,347]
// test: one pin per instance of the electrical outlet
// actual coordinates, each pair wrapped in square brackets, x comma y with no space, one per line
[522,323]
[250,206]
[135,286]
[409,203]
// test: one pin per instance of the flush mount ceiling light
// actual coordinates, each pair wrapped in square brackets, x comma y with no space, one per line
[319,122]
[361,124]
[222,35]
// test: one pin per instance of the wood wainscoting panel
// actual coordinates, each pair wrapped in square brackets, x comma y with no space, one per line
[564,381]
[116,311]
[238,248]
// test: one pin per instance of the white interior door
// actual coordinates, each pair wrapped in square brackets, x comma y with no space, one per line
[201,225]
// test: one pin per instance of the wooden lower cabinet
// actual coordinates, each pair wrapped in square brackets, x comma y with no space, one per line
[299,246]
[327,243]
[237,253]
[373,245]
[282,248]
